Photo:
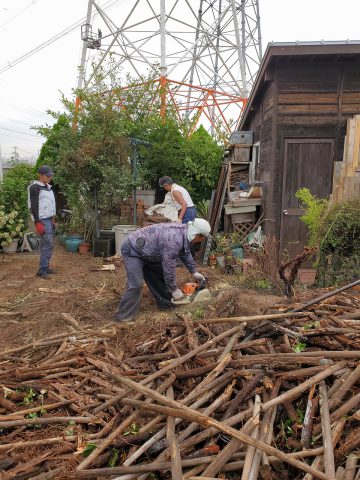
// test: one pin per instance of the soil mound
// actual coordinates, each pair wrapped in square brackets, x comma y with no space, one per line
[235,302]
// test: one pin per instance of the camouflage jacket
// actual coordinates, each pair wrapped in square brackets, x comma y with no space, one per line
[163,242]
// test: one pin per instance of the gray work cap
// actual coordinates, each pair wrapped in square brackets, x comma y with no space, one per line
[45,170]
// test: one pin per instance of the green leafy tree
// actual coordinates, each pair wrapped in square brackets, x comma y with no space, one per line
[193,162]
[90,148]
[202,164]
[13,189]
[50,151]
[89,152]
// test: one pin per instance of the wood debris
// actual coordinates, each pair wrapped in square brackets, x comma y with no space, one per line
[262,397]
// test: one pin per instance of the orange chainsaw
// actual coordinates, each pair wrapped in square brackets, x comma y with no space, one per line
[194,292]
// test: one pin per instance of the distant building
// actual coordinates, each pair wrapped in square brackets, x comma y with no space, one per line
[6,165]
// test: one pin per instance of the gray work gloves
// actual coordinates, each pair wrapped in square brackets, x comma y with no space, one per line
[177,294]
[199,276]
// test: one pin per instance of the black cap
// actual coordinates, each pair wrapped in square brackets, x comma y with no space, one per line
[165,181]
[45,170]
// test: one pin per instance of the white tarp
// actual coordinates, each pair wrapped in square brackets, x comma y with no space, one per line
[166,209]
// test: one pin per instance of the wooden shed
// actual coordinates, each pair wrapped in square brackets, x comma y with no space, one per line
[298,110]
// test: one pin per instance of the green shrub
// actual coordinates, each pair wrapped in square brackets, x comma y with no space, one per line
[13,189]
[335,230]
[315,208]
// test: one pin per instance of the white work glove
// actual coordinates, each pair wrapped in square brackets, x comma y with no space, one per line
[199,276]
[178,220]
[177,294]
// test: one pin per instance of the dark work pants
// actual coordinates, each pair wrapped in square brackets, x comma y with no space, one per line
[138,270]
[190,215]
[46,245]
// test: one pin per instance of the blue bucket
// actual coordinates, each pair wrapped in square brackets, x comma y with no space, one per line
[72,244]
[238,252]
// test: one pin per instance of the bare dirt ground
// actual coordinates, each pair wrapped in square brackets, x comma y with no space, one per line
[32,308]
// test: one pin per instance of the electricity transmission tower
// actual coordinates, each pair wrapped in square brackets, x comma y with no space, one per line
[204,54]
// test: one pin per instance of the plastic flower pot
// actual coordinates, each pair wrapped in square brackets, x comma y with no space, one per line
[12,248]
[61,237]
[72,244]
[221,261]
[237,269]
[75,235]
[84,247]
[212,260]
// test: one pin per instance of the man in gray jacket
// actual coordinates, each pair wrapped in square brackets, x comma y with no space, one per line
[43,210]
[149,254]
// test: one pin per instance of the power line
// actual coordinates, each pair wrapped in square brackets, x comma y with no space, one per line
[27,110]
[26,151]
[17,131]
[16,121]
[13,136]
[18,14]
[50,41]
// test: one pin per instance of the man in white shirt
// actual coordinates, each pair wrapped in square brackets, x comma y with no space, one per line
[182,199]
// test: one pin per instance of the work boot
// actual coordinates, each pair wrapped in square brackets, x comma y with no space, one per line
[51,271]
[44,276]
[119,320]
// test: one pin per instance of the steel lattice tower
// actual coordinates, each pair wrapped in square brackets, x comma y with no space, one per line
[206,52]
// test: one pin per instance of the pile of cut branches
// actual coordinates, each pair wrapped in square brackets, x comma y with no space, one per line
[272,396]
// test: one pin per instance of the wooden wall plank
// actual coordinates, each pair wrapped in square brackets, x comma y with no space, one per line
[337,173]
[308,98]
[351,97]
[315,109]
[308,120]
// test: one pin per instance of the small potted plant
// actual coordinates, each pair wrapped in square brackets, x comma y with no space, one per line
[89,225]
[222,249]
[11,229]
[212,259]
[237,265]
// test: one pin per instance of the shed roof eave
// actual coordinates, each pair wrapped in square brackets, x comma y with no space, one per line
[293,49]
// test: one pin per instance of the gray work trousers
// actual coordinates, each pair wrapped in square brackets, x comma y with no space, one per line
[138,270]
[46,245]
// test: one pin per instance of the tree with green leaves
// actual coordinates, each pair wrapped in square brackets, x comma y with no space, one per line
[13,189]
[90,151]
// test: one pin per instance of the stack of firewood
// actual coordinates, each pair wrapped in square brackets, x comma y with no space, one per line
[271,396]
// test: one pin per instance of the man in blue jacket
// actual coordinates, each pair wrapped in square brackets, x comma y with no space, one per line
[149,254]
[43,210]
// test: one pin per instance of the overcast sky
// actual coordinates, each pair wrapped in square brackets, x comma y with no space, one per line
[32,86]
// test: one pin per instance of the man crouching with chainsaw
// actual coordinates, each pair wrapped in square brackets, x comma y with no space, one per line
[150,254]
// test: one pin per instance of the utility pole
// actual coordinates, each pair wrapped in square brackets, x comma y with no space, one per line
[15,155]
[135,142]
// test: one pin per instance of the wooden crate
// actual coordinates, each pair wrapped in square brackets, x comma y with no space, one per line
[231,210]
[241,155]
[242,218]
